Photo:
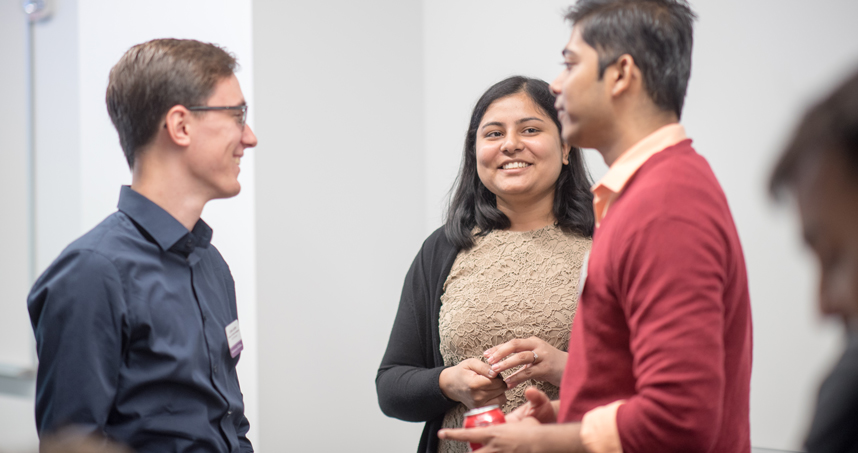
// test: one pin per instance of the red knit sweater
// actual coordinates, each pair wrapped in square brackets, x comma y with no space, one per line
[664,320]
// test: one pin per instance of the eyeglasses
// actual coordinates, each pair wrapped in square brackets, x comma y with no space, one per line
[243,109]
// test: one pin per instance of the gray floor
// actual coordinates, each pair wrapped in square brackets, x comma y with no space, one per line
[769,450]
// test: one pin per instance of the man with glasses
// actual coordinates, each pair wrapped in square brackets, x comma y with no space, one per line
[135,322]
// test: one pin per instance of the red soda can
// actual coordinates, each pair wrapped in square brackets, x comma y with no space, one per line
[483,416]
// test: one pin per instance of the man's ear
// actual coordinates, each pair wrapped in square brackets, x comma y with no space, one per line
[177,123]
[622,74]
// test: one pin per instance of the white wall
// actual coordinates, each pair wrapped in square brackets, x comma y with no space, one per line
[340,215]
[80,165]
[362,110]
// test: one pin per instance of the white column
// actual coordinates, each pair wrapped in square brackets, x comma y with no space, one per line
[340,179]
[17,429]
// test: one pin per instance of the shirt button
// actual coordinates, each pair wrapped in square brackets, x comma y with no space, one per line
[215,369]
[204,318]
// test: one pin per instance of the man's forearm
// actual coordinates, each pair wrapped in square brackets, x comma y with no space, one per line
[560,438]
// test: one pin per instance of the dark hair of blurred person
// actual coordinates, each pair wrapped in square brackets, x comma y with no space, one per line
[820,167]
[474,205]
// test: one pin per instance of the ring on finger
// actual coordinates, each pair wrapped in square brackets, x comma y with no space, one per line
[535,356]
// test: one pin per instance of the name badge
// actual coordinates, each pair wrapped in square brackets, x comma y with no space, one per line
[582,278]
[233,337]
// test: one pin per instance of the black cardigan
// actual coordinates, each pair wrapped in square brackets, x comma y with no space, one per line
[407,379]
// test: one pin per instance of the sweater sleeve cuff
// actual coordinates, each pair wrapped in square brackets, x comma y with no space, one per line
[599,432]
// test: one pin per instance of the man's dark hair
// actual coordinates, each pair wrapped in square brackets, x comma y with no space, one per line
[829,126]
[473,205]
[658,34]
[153,77]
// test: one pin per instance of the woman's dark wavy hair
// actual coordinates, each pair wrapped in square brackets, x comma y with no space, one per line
[473,205]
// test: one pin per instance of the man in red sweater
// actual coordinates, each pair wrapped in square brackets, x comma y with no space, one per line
[660,349]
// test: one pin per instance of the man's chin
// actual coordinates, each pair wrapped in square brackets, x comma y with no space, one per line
[228,193]
[571,138]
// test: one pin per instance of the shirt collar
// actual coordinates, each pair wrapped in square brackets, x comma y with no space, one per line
[611,185]
[630,161]
[167,232]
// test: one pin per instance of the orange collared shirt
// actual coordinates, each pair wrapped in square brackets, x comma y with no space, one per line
[609,188]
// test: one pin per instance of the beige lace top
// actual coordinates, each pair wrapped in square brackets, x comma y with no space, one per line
[509,285]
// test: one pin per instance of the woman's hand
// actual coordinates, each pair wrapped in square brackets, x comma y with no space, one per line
[540,361]
[469,383]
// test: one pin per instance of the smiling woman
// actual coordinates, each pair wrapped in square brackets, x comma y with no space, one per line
[519,155]
[478,203]
[487,303]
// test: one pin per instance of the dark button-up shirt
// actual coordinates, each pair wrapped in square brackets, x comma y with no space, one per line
[130,330]
[836,414]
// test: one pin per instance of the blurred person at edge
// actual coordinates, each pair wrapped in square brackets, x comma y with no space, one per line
[820,168]
[71,440]
[660,351]
[136,322]
[503,270]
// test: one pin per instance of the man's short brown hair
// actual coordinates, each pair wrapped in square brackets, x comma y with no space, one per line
[153,77]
